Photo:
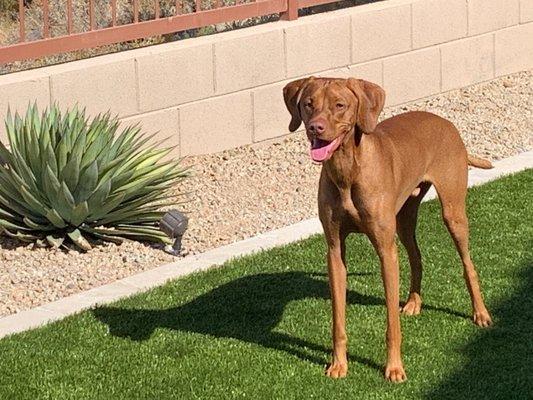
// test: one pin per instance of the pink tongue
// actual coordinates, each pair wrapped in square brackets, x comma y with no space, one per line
[325,152]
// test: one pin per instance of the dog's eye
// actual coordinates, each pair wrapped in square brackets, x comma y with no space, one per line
[308,104]
[340,106]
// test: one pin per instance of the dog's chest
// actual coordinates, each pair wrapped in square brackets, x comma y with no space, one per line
[349,214]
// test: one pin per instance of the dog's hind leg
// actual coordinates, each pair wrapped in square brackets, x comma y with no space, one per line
[452,194]
[406,229]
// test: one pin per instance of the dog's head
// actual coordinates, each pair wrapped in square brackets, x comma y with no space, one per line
[331,108]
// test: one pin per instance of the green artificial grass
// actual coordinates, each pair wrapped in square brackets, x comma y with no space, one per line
[259,328]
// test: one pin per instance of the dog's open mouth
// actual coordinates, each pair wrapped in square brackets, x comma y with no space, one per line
[322,150]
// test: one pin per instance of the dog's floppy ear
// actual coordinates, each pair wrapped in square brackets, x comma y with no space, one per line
[292,94]
[371,99]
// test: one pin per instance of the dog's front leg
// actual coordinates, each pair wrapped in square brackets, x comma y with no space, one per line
[337,284]
[383,238]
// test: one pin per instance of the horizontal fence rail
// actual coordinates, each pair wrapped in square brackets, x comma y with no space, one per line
[95,35]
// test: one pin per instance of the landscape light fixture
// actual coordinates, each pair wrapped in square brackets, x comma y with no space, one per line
[174,224]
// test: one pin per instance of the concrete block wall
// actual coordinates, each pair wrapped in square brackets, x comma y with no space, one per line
[217,92]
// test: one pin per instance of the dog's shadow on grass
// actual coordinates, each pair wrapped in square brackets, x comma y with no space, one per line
[247,309]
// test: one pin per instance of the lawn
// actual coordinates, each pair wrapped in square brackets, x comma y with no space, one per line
[259,328]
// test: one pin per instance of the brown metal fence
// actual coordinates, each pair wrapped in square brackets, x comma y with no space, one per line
[115,32]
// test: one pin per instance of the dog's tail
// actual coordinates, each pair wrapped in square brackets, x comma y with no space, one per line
[479,162]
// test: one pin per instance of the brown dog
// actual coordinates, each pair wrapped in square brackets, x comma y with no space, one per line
[373,180]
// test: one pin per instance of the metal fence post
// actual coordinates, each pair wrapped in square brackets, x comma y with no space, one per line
[292,11]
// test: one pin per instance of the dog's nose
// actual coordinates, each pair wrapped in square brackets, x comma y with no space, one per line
[317,127]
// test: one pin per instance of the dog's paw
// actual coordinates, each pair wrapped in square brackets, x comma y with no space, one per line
[413,306]
[482,318]
[395,373]
[337,370]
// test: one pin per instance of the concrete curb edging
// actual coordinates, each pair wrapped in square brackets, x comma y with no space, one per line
[143,281]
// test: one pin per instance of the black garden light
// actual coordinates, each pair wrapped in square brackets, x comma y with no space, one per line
[174,224]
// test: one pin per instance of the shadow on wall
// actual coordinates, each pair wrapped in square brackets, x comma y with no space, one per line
[500,362]
[337,5]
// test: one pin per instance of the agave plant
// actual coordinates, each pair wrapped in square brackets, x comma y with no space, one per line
[65,176]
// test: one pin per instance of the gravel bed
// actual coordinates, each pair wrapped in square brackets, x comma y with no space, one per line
[242,192]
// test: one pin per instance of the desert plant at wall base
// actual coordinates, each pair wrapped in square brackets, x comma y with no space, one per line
[65,177]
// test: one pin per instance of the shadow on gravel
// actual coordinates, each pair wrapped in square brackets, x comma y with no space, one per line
[247,309]
[500,362]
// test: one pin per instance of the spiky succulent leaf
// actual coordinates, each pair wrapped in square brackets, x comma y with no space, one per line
[54,217]
[55,242]
[88,182]
[79,240]
[23,237]
[63,174]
